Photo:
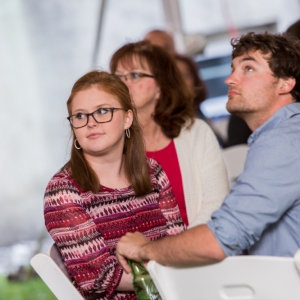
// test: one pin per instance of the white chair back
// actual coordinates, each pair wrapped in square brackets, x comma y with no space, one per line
[235,278]
[54,273]
[234,158]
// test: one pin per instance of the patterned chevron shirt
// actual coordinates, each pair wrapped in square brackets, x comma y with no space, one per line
[86,227]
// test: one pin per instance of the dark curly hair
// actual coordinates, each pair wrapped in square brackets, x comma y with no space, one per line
[281,51]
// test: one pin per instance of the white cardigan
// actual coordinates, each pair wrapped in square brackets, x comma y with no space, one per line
[203,172]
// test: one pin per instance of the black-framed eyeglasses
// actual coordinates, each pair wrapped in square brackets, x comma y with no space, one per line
[101,115]
[134,76]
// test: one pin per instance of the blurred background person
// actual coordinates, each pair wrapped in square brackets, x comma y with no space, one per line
[189,71]
[193,81]
[161,38]
[294,29]
[184,145]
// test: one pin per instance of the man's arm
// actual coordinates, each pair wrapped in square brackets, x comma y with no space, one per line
[196,246]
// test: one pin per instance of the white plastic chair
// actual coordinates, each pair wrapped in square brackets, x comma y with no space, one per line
[235,278]
[54,273]
[234,158]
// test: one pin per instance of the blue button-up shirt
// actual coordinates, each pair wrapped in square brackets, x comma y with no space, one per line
[262,211]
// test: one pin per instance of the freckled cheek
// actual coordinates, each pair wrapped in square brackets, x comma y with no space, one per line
[150,88]
[135,88]
[144,87]
[141,90]
[80,133]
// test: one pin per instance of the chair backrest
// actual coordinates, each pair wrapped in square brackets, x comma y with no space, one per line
[235,278]
[54,253]
[54,273]
[234,158]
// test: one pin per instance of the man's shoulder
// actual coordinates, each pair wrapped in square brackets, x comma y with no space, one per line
[283,126]
[288,130]
[276,146]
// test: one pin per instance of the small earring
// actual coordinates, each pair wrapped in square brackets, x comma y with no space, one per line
[77,147]
[127,132]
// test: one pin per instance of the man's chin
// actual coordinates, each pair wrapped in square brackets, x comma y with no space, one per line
[235,111]
[233,108]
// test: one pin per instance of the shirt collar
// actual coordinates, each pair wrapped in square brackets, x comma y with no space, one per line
[280,116]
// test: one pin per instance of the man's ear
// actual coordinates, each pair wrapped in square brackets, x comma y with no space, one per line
[287,85]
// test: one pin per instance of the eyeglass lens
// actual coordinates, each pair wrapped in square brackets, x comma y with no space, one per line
[101,115]
[133,76]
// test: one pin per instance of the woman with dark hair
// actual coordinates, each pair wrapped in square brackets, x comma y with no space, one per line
[185,146]
[107,188]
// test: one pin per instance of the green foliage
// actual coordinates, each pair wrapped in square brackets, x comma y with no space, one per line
[31,289]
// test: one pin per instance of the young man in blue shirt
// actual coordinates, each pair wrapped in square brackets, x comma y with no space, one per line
[262,212]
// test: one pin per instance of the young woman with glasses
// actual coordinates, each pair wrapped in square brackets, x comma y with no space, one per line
[107,188]
[185,146]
